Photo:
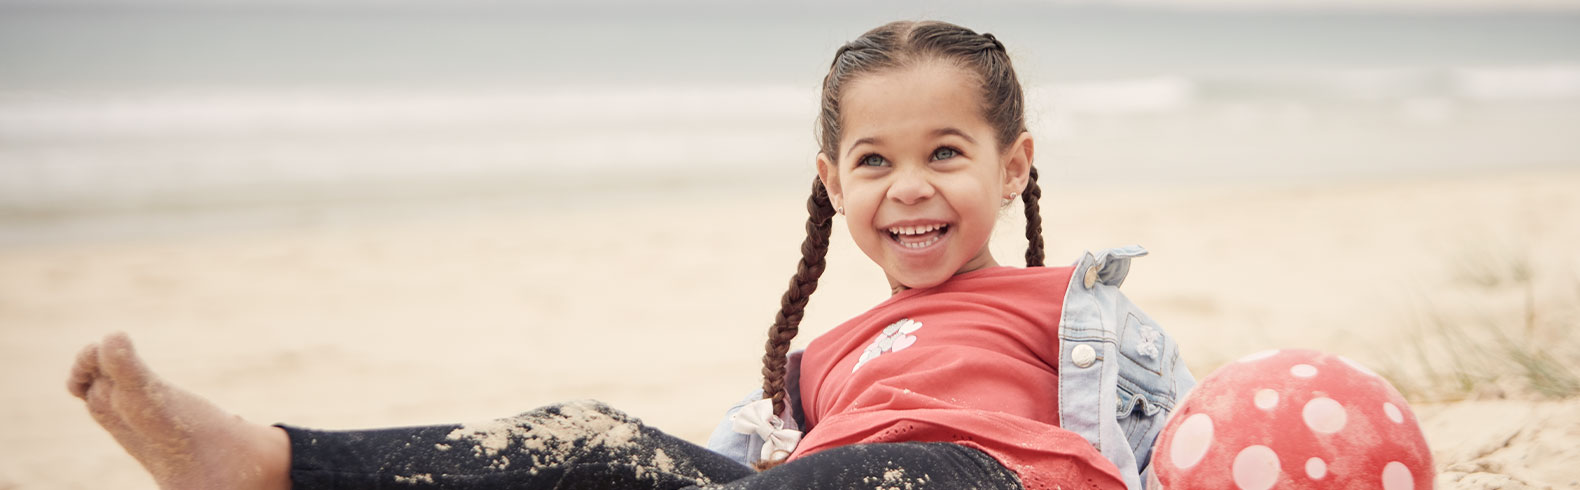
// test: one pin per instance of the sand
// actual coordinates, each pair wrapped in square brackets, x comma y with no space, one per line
[658,306]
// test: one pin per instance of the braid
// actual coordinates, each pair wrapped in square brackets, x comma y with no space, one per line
[1033,221]
[788,322]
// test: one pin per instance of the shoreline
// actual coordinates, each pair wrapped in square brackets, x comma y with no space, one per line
[393,203]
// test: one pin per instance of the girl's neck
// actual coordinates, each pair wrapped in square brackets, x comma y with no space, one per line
[981,261]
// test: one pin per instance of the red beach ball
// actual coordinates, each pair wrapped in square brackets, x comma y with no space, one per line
[1293,419]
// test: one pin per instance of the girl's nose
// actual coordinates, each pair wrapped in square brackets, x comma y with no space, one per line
[911,185]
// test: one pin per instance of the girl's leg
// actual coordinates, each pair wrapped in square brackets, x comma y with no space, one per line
[184,441]
[905,465]
[584,445]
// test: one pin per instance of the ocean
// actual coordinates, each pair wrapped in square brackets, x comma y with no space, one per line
[201,113]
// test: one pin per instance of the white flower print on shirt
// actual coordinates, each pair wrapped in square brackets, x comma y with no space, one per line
[894,338]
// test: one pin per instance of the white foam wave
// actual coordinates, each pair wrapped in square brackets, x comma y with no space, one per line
[1509,83]
[134,147]
[132,114]
[60,147]
[1123,96]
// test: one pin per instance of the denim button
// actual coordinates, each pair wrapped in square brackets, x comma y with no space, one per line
[1091,276]
[1083,355]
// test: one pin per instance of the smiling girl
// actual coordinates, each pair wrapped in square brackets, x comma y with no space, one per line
[971,375]
[1049,372]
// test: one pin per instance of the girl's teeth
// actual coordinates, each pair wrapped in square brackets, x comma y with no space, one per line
[913,230]
[904,234]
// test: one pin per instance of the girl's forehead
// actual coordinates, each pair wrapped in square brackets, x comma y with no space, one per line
[922,96]
[912,81]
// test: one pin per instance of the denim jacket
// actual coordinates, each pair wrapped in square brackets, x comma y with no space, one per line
[1120,374]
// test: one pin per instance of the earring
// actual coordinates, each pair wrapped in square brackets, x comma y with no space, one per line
[839,209]
[1009,199]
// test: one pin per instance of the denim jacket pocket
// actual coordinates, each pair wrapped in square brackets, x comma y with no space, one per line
[1152,378]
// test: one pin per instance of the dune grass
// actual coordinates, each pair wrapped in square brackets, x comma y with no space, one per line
[1501,330]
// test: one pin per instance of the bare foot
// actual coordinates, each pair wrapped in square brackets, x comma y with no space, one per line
[184,441]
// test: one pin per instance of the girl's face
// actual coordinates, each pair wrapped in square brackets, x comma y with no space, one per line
[919,172]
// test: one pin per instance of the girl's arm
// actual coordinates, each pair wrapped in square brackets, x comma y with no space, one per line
[747,448]
[735,445]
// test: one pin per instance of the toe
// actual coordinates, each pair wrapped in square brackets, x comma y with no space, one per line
[83,371]
[118,360]
[100,404]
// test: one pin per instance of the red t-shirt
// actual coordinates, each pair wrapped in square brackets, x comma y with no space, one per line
[973,361]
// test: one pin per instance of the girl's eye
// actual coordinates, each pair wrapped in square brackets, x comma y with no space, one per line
[872,161]
[945,153]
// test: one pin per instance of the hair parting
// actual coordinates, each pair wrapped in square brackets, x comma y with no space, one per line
[902,43]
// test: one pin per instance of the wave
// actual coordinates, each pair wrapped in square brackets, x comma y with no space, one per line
[65,147]
[1545,82]
[46,114]
[26,115]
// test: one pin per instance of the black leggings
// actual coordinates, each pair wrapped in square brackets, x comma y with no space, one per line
[587,445]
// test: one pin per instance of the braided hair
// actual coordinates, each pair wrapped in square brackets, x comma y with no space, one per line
[891,46]
[819,222]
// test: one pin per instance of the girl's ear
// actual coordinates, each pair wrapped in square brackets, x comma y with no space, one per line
[1017,165]
[828,172]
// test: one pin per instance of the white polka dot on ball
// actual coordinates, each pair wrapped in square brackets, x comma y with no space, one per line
[1255,468]
[1316,468]
[1396,476]
[1393,413]
[1324,415]
[1303,370]
[1191,440]
[1260,355]
[1266,399]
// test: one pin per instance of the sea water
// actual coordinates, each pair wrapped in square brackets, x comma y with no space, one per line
[172,109]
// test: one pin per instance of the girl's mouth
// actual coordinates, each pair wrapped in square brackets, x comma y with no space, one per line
[915,237]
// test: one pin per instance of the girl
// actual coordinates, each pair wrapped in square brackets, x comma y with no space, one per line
[972,375]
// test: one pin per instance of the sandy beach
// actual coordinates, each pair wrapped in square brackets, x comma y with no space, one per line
[657,304]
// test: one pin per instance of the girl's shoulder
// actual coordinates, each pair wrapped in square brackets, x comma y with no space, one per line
[1105,267]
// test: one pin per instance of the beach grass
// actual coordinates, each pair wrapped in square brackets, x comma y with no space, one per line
[1499,330]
